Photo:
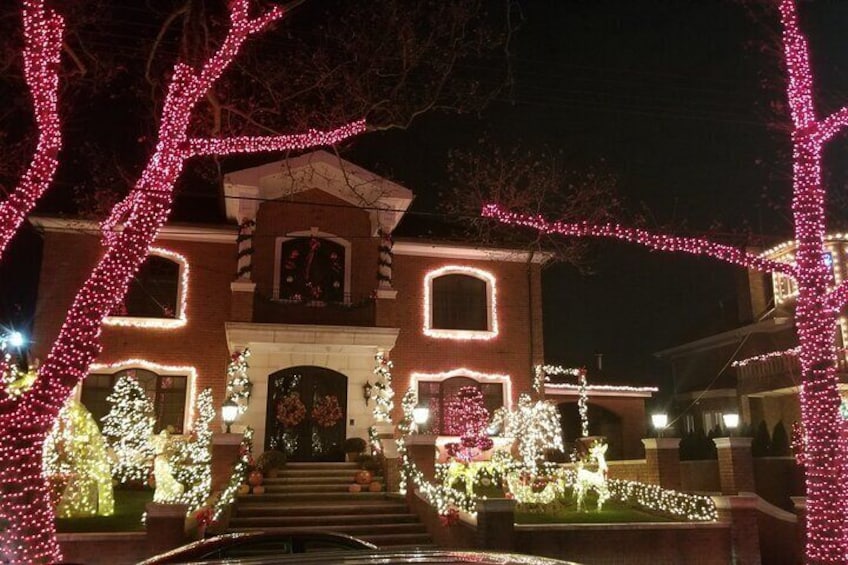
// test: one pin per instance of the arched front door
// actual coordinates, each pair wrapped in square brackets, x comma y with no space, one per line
[307,409]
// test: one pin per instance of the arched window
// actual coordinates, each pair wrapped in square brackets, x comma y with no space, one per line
[167,392]
[312,268]
[157,293]
[460,303]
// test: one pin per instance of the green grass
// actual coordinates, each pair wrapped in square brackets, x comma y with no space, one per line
[565,512]
[129,506]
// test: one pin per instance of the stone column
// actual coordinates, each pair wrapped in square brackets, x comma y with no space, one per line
[741,512]
[662,456]
[165,526]
[496,524]
[735,464]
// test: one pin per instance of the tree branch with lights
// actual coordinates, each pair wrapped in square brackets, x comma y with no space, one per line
[817,307]
[25,506]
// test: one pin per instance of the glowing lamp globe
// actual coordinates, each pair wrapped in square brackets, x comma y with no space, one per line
[16,339]
[229,412]
[731,421]
[660,422]
[420,416]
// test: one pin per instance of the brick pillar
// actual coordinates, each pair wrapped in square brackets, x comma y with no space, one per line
[735,464]
[241,301]
[800,505]
[741,513]
[662,456]
[225,453]
[421,450]
[496,524]
[165,526]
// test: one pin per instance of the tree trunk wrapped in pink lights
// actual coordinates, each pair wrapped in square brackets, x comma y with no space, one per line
[25,509]
[817,306]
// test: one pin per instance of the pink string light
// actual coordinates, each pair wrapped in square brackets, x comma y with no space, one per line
[25,506]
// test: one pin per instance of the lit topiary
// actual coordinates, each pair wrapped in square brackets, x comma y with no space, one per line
[535,427]
[466,416]
[76,463]
[192,458]
[128,428]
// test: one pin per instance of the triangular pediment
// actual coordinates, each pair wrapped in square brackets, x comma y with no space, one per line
[385,201]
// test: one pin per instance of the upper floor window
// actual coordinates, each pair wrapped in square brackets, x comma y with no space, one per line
[157,293]
[168,393]
[459,303]
[312,269]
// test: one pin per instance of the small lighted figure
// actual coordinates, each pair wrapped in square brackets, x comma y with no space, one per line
[593,480]
[168,488]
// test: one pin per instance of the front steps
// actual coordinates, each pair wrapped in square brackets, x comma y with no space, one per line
[315,496]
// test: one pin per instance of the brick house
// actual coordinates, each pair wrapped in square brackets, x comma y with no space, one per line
[742,370]
[306,276]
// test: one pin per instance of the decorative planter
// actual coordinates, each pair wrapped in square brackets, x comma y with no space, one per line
[375,486]
[255,478]
[354,488]
[259,489]
[352,456]
[362,477]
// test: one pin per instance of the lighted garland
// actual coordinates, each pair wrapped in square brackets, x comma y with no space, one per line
[542,377]
[237,477]
[238,383]
[25,507]
[128,427]
[192,460]
[383,403]
[244,240]
[375,441]
[691,507]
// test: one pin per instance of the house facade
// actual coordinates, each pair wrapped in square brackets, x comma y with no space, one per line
[752,370]
[308,276]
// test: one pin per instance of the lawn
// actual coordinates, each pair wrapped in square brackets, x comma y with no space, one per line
[565,512]
[129,506]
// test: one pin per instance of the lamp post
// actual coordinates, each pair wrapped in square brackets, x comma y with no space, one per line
[229,412]
[731,422]
[420,415]
[660,422]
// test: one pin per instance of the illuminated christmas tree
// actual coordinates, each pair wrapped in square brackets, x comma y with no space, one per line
[76,462]
[466,416]
[192,459]
[128,428]
[535,427]
[383,403]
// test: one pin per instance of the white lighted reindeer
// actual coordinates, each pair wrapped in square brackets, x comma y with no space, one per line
[592,480]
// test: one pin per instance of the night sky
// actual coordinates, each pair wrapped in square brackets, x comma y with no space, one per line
[682,101]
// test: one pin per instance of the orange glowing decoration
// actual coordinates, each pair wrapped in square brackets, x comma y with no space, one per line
[25,508]
[817,307]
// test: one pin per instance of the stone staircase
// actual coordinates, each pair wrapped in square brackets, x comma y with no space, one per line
[315,496]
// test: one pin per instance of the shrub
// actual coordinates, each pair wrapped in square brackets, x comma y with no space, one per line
[779,440]
[354,445]
[761,444]
[271,460]
[370,463]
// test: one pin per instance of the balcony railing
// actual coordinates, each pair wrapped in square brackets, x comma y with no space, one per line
[353,311]
[777,373]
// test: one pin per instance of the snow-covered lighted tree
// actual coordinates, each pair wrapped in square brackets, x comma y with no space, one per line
[76,460]
[25,420]
[128,428]
[818,303]
[192,459]
[535,426]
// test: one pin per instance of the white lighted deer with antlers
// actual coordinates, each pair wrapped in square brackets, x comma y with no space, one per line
[587,480]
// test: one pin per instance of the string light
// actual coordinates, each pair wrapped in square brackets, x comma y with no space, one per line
[383,403]
[492,310]
[535,427]
[25,509]
[238,382]
[43,35]
[128,427]
[192,458]
[793,352]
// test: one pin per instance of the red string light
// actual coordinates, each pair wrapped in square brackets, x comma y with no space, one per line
[816,310]
[25,506]
[43,32]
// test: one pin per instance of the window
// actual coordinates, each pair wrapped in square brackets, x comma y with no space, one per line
[713,421]
[459,303]
[688,424]
[157,293]
[167,392]
[312,269]
[437,394]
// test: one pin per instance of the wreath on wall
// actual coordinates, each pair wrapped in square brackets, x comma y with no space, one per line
[326,412]
[290,410]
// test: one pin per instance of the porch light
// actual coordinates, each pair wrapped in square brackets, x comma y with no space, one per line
[367,391]
[15,339]
[420,415]
[229,412]
[731,422]
[660,422]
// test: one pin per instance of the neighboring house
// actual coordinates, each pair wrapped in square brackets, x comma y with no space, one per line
[313,283]
[751,370]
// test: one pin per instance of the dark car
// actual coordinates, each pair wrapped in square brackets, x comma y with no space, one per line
[401,557]
[246,545]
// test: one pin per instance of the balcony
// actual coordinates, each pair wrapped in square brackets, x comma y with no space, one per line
[778,373]
[354,311]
